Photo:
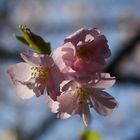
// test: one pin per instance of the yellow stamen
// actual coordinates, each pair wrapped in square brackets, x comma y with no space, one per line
[39,72]
[81,92]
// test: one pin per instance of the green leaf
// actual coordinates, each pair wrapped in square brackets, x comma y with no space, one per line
[21,39]
[34,41]
[90,135]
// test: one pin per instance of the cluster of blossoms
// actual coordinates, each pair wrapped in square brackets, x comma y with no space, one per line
[70,77]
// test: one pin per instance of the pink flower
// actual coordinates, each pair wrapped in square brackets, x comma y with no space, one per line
[84,51]
[36,74]
[78,98]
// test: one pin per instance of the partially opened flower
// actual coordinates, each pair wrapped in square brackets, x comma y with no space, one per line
[77,98]
[36,74]
[84,51]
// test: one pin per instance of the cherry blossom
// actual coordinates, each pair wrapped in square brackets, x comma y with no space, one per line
[36,74]
[84,51]
[78,98]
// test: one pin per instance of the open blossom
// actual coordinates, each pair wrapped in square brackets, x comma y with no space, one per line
[78,97]
[84,51]
[36,74]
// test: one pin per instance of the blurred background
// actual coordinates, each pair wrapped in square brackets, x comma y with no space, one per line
[54,20]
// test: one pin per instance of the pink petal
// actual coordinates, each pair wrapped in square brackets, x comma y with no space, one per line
[77,36]
[63,115]
[80,35]
[104,98]
[26,86]
[65,85]
[102,47]
[101,109]
[57,57]
[38,86]
[31,58]
[67,103]
[105,81]
[37,59]
[87,68]
[20,72]
[54,105]
[86,115]
[63,56]
[53,83]
[94,32]
[23,91]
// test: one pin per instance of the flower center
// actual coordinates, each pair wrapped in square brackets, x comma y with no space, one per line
[39,72]
[85,52]
[81,92]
